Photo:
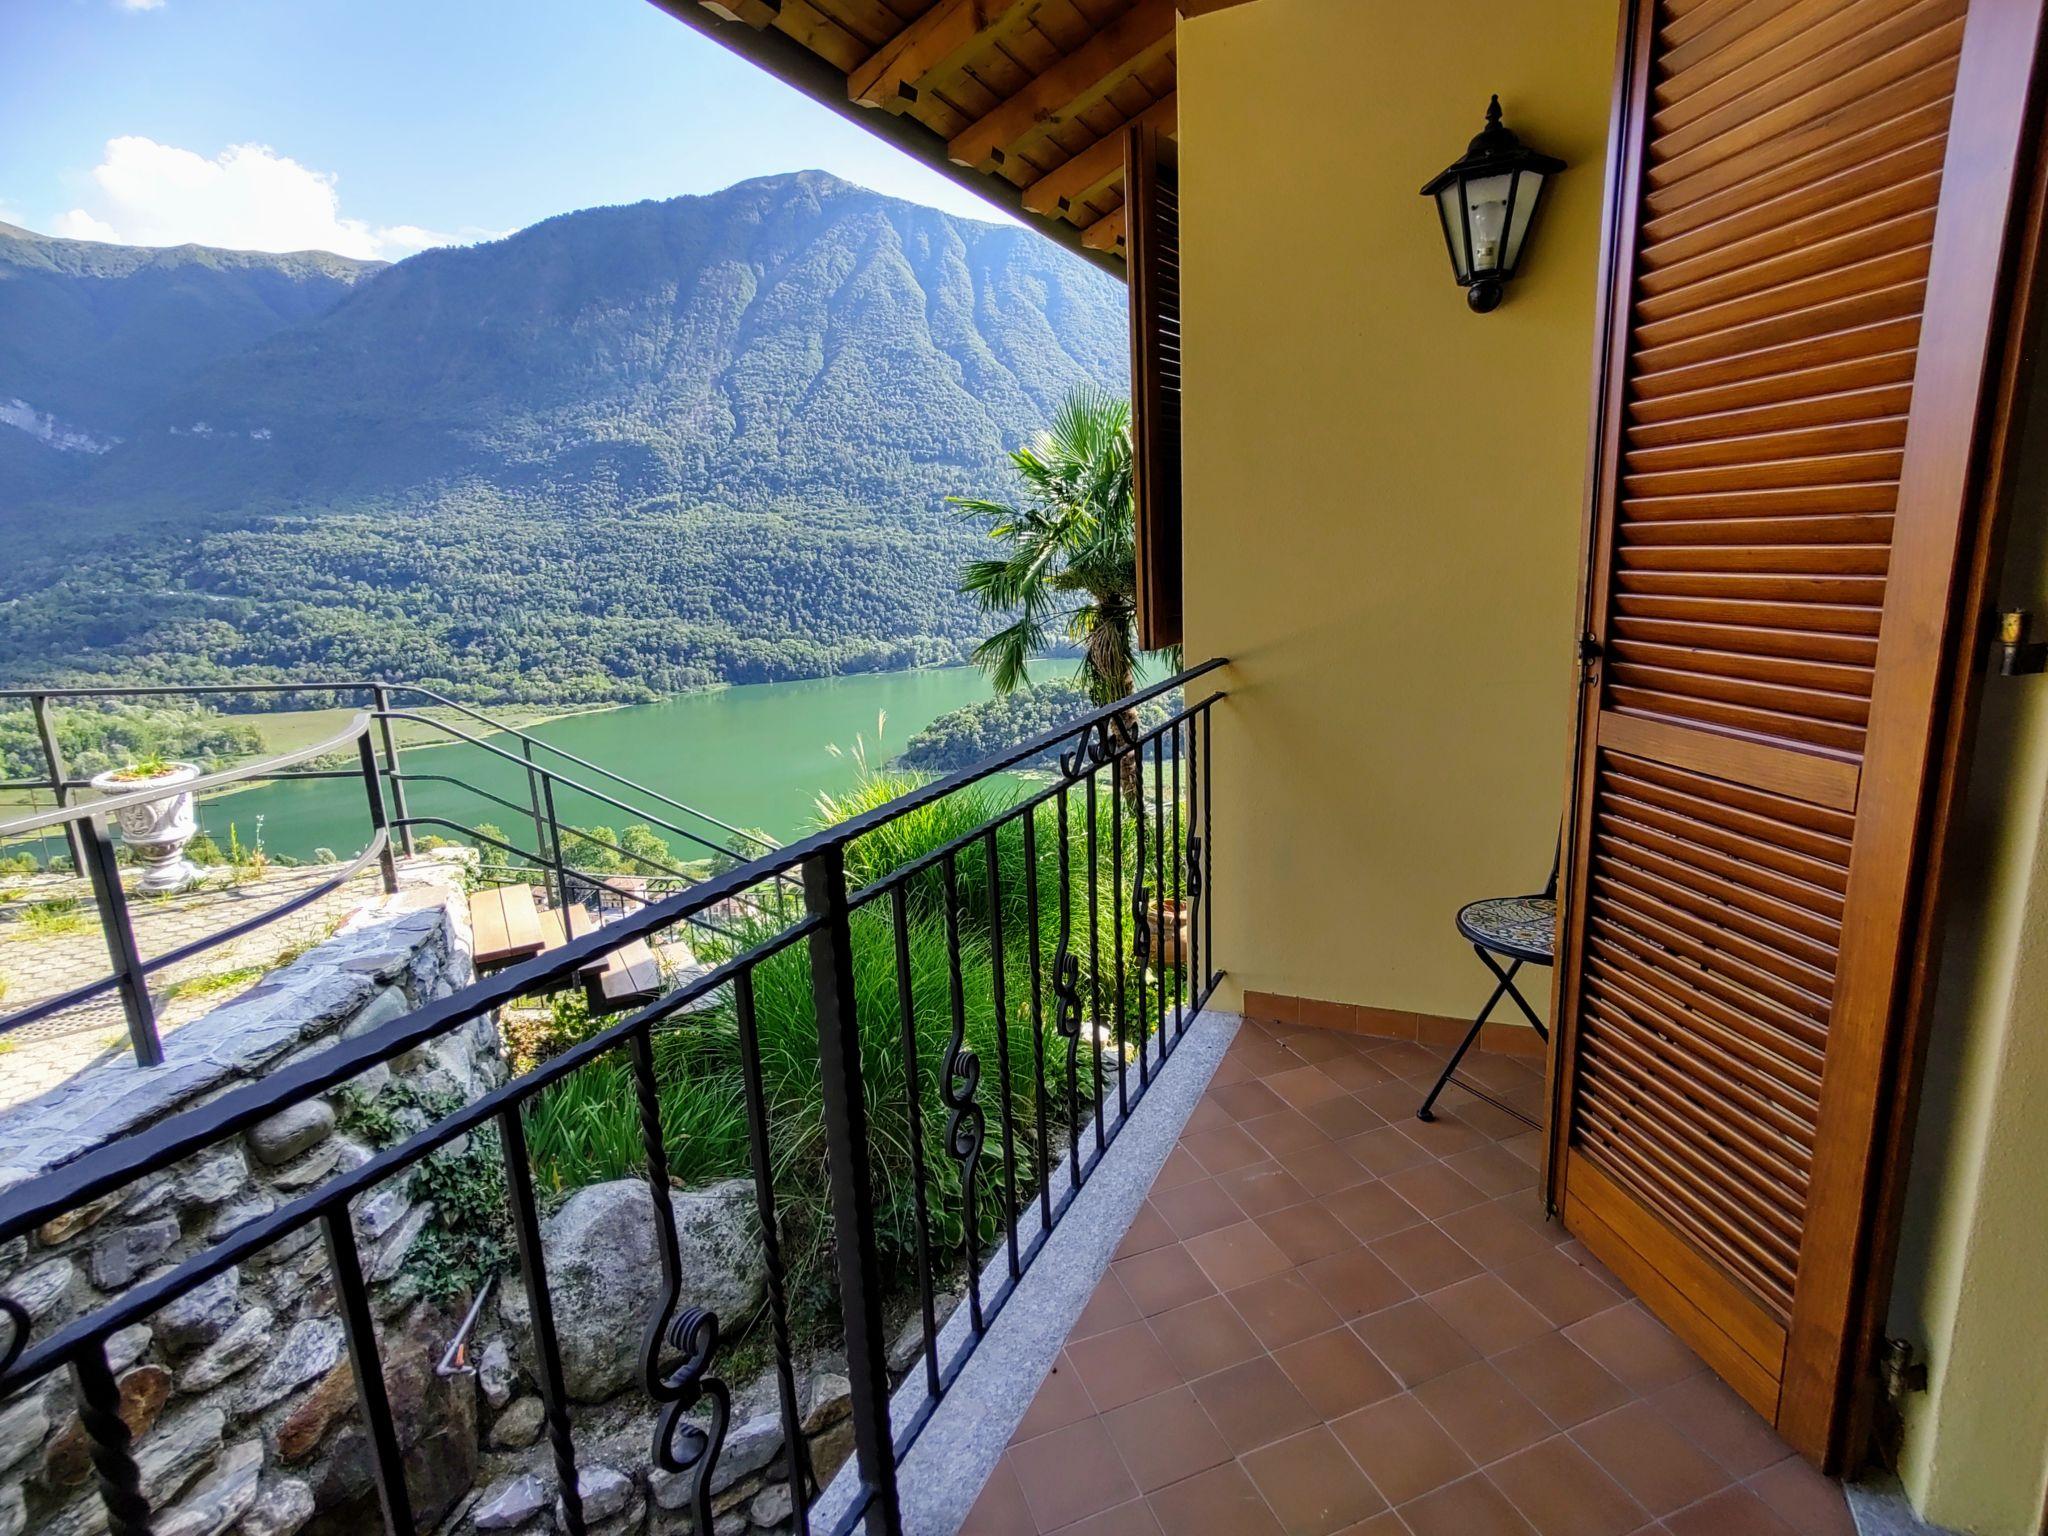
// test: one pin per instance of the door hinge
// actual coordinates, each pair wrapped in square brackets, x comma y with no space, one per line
[1589,650]
[1899,1371]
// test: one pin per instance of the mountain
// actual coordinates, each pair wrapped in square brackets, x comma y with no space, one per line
[627,449]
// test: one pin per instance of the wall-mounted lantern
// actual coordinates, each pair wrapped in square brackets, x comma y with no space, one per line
[1487,200]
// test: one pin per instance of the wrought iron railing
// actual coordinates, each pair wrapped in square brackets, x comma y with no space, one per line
[391,827]
[1116,856]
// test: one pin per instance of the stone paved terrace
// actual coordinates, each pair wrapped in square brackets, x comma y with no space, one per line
[39,959]
[1330,1318]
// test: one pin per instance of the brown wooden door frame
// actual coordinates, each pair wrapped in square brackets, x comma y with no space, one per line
[1983,287]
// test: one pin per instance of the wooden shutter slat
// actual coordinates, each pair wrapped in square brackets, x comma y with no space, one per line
[1757,1044]
[1152,238]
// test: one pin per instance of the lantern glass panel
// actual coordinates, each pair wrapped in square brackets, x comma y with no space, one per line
[1486,202]
[1451,211]
[1526,196]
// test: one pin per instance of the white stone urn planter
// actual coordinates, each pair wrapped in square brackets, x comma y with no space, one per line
[157,830]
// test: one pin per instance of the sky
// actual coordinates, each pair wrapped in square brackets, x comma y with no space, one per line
[380,127]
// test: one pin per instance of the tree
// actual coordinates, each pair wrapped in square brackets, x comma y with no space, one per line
[1070,569]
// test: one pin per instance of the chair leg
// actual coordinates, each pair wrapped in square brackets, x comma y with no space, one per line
[1506,986]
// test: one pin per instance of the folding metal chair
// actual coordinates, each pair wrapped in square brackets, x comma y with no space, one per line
[1521,930]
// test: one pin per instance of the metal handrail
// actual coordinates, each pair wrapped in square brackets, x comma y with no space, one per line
[266,769]
[983,1117]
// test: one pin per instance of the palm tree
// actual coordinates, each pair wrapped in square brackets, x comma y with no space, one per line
[1070,569]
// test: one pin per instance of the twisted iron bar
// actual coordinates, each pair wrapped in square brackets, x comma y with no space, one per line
[99,1411]
[1141,926]
[677,1384]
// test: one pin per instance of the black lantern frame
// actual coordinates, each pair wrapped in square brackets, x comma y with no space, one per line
[1486,201]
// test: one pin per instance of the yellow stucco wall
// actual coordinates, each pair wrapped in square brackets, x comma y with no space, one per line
[1970,1291]
[1383,489]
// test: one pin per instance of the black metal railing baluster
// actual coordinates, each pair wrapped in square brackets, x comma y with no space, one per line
[1066,972]
[1095,1072]
[1037,1019]
[53,758]
[113,1459]
[797,1449]
[1116,934]
[959,1085]
[1208,852]
[381,698]
[1141,946]
[554,844]
[1180,989]
[387,1460]
[906,1005]
[373,794]
[1192,853]
[1159,879]
[540,1304]
[1005,1094]
[117,927]
[853,1198]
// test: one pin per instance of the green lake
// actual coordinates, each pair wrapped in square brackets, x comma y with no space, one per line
[754,756]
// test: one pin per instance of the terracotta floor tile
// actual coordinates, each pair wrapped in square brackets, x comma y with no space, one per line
[1634,1347]
[1325,1169]
[1288,1131]
[1446,1134]
[1402,1448]
[1110,1307]
[1132,1519]
[1207,1115]
[1148,1230]
[1001,1510]
[1061,1401]
[1556,1285]
[1283,1308]
[1393,1099]
[1472,1507]
[1386,1150]
[1356,1282]
[1196,1208]
[1489,1314]
[1205,1337]
[1426,1259]
[1414,1343]
[1236,1255]
[1492,1170]
[1160,1280]
[1406,1058]
[1811,1504]
[1262,1187]
[1304,1086]
[1562,1379]
[1495,1235]
[1561,1492]
[1219,1502]
[1311,1483]
[1308,1231]
[1122,1366]
[1433,1189]
[1070,1474]
[1253,1404]
[1343,1116]
[1336,1373]
[1224,1148]
[1658,1466]
[1731,1512]
[1165,1438]
[1527,1145]
[1179,1168]
[1372,1211]
[1358,1071]
[1247,1101]
[1709,1413]
[1482,1410]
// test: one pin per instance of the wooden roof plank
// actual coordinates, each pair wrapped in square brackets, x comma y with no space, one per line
[1137,37]
[1107,232]
[938,40]
[1095,167]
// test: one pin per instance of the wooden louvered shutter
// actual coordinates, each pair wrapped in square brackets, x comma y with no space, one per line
[1809,216]
[1152,243]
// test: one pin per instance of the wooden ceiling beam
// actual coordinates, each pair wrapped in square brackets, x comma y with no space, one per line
[939,40]
[755,13]
[1099,165]
[1113,54]
[1107,232]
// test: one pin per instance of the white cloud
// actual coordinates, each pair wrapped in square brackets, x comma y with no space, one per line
[248,198]
[140,5]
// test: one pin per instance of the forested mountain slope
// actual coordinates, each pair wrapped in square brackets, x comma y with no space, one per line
[628,449]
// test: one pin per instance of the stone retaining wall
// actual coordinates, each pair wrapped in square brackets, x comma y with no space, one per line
[239,1393]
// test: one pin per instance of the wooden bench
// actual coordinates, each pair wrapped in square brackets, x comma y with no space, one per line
[506,925]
